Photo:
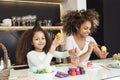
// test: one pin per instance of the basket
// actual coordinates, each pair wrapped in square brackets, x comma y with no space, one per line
[4,74]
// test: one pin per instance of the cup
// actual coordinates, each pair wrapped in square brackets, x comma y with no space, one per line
[75,60]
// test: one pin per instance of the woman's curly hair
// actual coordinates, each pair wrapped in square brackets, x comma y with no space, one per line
[74,19]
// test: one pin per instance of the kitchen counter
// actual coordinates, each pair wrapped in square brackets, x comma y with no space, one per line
[98,73]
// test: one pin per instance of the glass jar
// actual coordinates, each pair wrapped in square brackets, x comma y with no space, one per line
[75,60]
[49,23]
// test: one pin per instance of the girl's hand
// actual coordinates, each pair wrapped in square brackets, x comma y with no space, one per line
[57,41]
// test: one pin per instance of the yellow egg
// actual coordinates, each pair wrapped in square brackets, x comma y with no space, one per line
[48,69]
[59,35]
[103,48]
[115,55]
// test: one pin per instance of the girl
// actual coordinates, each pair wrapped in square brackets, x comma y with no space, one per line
[78,25]
[36,48]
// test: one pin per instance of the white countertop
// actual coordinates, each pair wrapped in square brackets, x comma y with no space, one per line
[95,73]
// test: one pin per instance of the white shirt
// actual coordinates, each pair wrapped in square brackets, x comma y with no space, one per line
[71,43]
[36,59]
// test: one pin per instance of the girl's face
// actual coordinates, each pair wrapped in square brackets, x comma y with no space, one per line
[85,29]
[39,41]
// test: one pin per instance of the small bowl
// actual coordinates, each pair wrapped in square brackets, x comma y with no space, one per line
[44,76]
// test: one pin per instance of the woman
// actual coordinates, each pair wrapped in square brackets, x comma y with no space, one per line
[78,25]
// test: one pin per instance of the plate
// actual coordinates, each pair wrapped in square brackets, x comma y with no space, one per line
[94,65]
[114,65]
[44,76]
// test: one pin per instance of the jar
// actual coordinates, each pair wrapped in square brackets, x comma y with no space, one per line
[74,60]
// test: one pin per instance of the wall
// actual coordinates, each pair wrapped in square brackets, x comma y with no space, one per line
[72,5]
[112,25]
[108,33]
[81,4]
[99,35]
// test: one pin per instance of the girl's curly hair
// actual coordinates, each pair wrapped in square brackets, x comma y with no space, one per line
[74,19]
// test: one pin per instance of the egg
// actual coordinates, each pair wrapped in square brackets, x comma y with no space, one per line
[33,69]
[54,68]
[48,69]
[58,35]
[103,48]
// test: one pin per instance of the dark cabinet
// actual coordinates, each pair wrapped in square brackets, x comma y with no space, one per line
[19,9]
[108,31]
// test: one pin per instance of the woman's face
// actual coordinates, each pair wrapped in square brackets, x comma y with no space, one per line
[85,29]
[39,41]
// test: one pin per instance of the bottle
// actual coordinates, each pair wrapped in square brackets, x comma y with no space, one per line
[49,23]
[39,23]
[44,23]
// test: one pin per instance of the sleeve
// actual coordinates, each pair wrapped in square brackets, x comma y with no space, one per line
[69,43]
[92,39]
[59,54]
[47,59]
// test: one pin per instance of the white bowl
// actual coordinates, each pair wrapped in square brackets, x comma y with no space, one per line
[6,22]
[44,76]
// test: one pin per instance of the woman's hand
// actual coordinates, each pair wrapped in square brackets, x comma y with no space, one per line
[103,54]
[91,47]
[73,52]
